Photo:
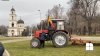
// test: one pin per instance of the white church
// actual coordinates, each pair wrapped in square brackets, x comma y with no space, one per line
[16,27]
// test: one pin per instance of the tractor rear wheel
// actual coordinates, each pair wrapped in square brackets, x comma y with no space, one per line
[35,43]
[60,39]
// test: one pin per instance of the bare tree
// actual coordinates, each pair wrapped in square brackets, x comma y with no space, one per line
[87,10]
[3,30]
[72,15]
[56,12]
[26,32]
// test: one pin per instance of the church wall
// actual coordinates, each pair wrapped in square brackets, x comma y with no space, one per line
[20,29]
[10,33]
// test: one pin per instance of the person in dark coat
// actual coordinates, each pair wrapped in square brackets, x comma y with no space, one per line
[1,49]
[42,39]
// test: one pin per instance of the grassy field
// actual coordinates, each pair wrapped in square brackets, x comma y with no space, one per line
[23,49]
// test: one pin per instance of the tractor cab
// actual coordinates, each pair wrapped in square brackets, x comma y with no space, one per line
[58,23]
[55,26]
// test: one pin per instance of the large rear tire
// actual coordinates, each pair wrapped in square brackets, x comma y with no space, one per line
[35,43]
[60,39]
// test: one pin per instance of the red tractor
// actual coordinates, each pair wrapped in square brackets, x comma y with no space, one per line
[58,35]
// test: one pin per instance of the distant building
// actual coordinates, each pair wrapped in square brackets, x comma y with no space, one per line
[16,27]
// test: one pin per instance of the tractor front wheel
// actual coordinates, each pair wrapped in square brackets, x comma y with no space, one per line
[60,39]
[35,43]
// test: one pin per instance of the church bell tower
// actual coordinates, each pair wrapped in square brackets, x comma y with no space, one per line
[12,28]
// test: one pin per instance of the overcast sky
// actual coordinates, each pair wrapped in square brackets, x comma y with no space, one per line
[27,9]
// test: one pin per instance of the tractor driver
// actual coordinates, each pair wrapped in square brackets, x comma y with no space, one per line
[42,39]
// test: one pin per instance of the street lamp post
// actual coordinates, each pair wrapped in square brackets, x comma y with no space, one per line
[40,19]
[31,31]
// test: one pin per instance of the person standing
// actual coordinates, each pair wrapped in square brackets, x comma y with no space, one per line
[42,39]
[1,49]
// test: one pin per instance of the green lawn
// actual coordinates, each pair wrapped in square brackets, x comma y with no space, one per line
[23,49]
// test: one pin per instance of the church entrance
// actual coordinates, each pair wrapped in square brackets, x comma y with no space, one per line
[12,32]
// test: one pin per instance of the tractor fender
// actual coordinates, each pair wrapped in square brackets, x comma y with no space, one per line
[62,31]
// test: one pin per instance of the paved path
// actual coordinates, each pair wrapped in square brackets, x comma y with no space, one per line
[6,53]
[94,39]
[16,40]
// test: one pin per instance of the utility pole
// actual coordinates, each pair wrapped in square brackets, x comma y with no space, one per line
[31,31]
[40,19]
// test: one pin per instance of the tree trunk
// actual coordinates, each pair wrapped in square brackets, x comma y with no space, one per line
[89,28]
[75,25]
[94,31]
[84,30]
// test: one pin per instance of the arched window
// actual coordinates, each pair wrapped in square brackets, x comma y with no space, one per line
[12,24]
[12,17]
[12,12]
[12,31]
